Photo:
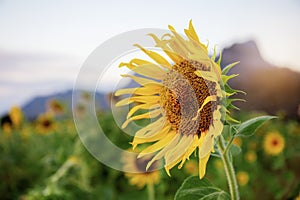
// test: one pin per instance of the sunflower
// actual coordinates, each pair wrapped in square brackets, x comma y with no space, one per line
[138,165]
[237,141]
[45,123]
[16,116]
[273,143]
[250,156]
[191,167]
[55,106]
[183,93]
[6,127]
[242,178]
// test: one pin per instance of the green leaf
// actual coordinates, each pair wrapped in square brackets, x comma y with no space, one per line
[249,127]
[226,78]
[228,67]
[194,188]
[230,90]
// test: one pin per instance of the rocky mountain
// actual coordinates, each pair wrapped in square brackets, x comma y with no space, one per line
[269,88]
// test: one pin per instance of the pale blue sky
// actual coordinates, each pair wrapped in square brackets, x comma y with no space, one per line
[44,43]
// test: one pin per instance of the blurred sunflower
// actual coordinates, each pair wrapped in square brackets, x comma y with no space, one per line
[142,177]
[237,141]
[274,143]
[55,107]
[298,197]
[242,178]
[184,96]
[191,167]
[250,156]
[6,127]
[16,116]
[45,123]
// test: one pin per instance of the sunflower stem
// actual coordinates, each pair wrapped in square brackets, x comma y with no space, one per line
[228,145]
[151,191]
[229,170]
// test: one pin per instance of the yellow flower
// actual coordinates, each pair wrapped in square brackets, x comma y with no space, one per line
[6,129]
[73,159]
[273,143]
[55,107]
[298,197]
[242,178]
[250,156]
[45,124]
[191,167]
[142,176]
[16,116]
[182,93]
[237,141]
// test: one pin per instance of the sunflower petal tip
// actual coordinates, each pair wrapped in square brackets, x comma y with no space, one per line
[148,165]
[138,46]
[180,166]
[122,64]
[141,155]
[201,176]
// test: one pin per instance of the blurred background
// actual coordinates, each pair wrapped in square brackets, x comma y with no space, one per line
[43,44]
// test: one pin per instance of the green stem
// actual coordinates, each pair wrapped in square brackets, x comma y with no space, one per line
[229,170]
[228,145]
[151,191]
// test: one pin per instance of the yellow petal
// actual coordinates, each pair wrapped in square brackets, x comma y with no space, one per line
[151,114]
[162,153]
[155,56]
[179,39]
[202,165]
[160,144]
[207,99]
[159,135]
[190,150]
[180,149]
[149,89]
[150,70]
[138,61]
[207,75]
[150,128]
[141,106]
[140,80]
[163,45]
[140,99]
[171,165]
[178,48]
[155,126]
[207,144]
[192,32]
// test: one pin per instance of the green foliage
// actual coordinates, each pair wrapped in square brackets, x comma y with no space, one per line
[194,188]
[55,165]
[249,127]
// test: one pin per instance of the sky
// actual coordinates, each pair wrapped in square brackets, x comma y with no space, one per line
[43,44]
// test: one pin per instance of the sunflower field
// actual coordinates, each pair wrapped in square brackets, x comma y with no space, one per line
[45,159]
